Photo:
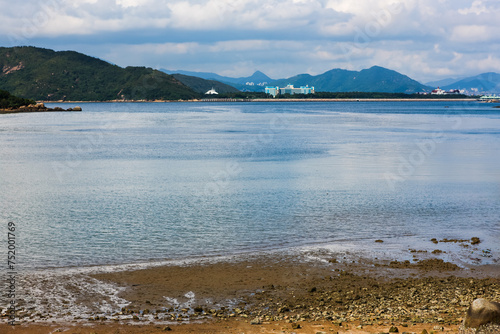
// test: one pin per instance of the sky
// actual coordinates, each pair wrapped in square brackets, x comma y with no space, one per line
[424,39]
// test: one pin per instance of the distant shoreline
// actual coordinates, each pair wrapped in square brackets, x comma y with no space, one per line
[277,100]
[39,107]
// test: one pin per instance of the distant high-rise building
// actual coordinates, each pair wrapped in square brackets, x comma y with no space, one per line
[289,89]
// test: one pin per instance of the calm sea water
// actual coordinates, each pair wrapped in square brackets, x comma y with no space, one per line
[131,182]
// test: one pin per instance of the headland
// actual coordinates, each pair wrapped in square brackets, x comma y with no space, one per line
[38,107]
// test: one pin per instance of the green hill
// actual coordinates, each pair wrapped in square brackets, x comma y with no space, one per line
[44,74]
[374,79]
[9,101]
[202,85]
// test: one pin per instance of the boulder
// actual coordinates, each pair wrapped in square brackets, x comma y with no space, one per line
[77,109]
[482,312]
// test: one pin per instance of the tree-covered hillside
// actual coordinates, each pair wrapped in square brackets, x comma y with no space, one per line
[44,74]
[9,101]
[202,86]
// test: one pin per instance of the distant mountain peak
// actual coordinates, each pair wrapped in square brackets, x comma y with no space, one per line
[479,84]
[258,78]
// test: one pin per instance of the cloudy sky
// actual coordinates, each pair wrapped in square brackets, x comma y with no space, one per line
[424,39]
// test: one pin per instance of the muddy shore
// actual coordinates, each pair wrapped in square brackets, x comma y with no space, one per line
[274,293]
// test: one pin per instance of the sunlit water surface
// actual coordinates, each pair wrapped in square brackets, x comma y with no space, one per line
[133,182]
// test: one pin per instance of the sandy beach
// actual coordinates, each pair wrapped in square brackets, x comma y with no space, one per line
[316,292]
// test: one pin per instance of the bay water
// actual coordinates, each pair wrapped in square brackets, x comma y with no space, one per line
[126,183]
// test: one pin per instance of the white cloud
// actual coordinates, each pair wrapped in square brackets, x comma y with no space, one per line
[477,7]
[488,63]
[421,38]
[474,33]
[131,3]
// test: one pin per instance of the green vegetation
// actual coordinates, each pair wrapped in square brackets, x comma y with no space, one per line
[43,74]
[202,85]
[9,101]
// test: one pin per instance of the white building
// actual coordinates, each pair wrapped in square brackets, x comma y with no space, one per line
[439,91]
[289,89]
[211,92]
[272,91]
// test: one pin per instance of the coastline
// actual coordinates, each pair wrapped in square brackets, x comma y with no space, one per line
[277,100]
[316,289]
[39,107]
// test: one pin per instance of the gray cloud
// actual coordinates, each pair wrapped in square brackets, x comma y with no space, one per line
[425,39]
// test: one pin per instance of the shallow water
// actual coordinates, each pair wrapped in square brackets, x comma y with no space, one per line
[134,182]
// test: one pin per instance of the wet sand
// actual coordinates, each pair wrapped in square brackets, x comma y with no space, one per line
[313,292]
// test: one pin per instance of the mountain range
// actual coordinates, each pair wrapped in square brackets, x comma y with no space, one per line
[374,79]
[254,83]
[43,74]
[482,83]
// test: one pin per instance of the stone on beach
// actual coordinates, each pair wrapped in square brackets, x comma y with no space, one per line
[482,312]
[393,329]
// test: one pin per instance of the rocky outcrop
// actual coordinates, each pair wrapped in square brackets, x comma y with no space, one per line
[38,107]
[482,312]
[9,69]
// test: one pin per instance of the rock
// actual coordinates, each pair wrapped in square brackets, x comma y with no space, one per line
[424,331]
[482,312]
[296,326]
[256,321]
[474,241]
[77,108]
[393,329]
[167,328]
[379,240]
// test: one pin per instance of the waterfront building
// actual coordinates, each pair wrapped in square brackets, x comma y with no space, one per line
[439,91]
[289,89]
[272,90]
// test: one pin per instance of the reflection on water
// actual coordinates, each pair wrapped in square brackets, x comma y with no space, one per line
[122,183]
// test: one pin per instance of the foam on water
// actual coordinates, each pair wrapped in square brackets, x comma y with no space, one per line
[72,295]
